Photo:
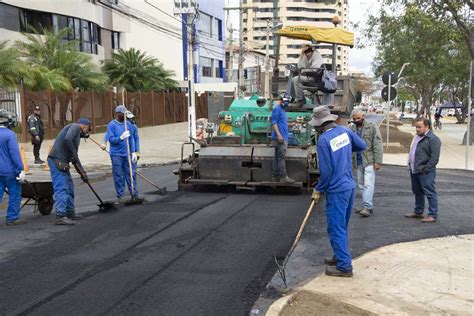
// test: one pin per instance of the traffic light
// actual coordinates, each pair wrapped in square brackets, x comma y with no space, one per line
[389,78]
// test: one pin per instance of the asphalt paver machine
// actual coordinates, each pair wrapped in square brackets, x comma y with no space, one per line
[238,150]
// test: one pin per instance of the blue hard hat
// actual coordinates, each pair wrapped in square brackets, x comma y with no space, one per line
[121,109]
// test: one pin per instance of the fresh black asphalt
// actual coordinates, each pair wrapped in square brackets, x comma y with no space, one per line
[196,253]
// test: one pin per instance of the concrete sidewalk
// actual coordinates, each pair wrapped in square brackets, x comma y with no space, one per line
[426,277]
[159,145]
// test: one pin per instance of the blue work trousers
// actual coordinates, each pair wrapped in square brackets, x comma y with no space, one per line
[338,211]
[424,185]
[63,190]
[14,196]
[121,174]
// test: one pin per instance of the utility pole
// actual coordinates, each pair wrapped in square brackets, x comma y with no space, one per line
[241,9]
[188,9]
[267,61]
[231,52]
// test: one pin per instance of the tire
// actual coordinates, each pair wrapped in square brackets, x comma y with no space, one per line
[45,206]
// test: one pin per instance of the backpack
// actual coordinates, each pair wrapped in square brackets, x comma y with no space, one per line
[328,82]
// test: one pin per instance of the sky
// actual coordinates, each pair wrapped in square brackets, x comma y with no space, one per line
[359,59]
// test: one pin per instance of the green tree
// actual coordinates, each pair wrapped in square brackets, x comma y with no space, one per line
[49,50]
[434,47]
[13,71]
[135,71]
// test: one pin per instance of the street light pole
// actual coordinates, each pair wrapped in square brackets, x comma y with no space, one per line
[469,108]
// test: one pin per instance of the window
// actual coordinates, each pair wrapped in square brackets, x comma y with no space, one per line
[115,40]
[35,19]
[206,66]
[9,17]
[218,69]
[205,23]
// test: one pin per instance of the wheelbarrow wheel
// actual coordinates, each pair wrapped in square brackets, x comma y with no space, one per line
[45,206]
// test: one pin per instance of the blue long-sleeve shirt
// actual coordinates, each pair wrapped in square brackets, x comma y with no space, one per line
[335,147]
[280,119]
[118,147]
[10,158]
[66,145]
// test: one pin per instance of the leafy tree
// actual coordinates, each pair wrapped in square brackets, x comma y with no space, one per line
[49,50]
[13,70]
[135,71]
[434,48]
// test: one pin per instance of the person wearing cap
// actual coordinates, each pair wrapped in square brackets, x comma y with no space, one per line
[309,58]
[11,168]
[280,141]
[117,136]
[36,130]
[65,151]
[335,147]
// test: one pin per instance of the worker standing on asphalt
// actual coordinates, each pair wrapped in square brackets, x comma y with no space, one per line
[11,168]
[36,130]
[117,136]
[65,151]
[280,141]
[335,147]
[422,160]
[367,162]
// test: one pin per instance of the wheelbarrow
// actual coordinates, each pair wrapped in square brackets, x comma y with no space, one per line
[41,193]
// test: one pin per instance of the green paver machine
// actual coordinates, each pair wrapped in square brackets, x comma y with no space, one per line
[240,153]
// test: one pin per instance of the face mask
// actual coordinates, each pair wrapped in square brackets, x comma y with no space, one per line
[358,123]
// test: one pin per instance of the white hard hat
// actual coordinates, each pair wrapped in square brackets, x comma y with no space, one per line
[129,115]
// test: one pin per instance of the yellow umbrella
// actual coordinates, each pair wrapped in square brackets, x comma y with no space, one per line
[331,35]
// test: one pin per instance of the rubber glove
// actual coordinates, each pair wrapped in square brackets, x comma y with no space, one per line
[315,196]
[21,176]
[125,135]
[138,156]
[103,146]
[134,157]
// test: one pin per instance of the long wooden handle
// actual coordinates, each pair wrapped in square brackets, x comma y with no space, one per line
[128,155]
[300,232]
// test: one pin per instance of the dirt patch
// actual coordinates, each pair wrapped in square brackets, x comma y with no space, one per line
[396,136]
[307,303]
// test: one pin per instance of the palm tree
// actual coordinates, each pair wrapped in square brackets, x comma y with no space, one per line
[49,50]
[13,71]
[135,71]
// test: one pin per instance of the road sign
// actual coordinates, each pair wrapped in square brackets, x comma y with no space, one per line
[389,74]
[393,93]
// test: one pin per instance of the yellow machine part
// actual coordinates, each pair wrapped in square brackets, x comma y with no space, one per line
[224,128]
[331,35]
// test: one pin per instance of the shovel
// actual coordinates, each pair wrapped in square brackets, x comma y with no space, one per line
[103,206]
[282,267]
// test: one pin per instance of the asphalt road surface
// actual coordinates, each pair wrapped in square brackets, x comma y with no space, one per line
[206,253]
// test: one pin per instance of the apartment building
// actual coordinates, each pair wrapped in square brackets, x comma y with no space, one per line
[292,13]
[101,26]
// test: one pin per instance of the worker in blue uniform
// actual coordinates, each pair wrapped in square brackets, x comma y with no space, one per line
[63,152]
[119,138]
[11,168]
[335,146]
[136,139]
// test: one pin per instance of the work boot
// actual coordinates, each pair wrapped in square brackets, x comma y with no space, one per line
[414,215]
[358,209]
[74,216]
[365,212]
[120,200]
[428,219]
[39,161]
[333,271]
[330,261]
[287,180]
[16,222]
[64,220]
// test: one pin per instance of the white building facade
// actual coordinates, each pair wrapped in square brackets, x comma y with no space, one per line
[101,27]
